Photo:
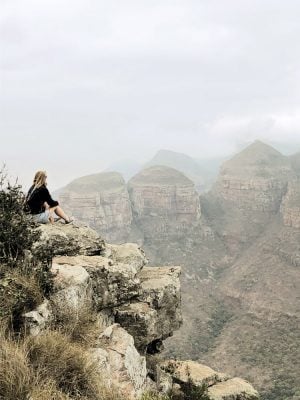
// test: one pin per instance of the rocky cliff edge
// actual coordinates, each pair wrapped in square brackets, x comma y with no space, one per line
[136,308]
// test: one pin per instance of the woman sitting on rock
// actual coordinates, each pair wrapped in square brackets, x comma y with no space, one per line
[40,203]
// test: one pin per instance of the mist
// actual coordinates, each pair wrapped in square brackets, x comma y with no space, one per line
[86,84]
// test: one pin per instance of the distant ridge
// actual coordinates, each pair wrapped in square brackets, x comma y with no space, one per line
[160,174]
[181,162]
[103,180]
[255,153]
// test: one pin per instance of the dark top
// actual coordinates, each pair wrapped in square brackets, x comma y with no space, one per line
[36,199]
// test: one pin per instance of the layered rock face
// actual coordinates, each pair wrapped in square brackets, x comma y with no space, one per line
[240,283]
[295,161]
[255,179]
[290,208]
[101,201]
[137,308]
[165,203]
[248,193]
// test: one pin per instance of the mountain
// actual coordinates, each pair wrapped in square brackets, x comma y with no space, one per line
[165,204]
[101,200]
[247,194]
[238,245]
[249,318]
[127,168]
[181,162]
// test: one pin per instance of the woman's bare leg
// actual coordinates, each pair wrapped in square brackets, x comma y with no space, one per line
[47,207]
[60,212]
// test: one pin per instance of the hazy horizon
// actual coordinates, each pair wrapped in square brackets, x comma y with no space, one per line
[86,84]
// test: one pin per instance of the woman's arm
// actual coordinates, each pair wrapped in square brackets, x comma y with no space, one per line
[47,197]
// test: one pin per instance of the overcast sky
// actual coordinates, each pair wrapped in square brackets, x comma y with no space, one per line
[85,83]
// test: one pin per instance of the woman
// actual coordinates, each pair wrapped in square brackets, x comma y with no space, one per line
[40,203]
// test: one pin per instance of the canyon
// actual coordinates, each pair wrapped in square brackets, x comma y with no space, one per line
[238,245]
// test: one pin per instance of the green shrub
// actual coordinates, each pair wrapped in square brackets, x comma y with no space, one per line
[24,279]
[16,227]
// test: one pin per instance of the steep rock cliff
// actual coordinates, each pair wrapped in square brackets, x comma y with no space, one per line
[137,308]
[165,203]
[290,208]
[102,201]
[247,194]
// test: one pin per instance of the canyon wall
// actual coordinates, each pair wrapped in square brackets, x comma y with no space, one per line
[102,201]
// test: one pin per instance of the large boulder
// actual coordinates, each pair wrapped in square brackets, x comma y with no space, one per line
[127,253]
[68,239]
[110,284]
[156,313]
[37,320]
[118,358]
[190,374]
[232,389]
[71,284]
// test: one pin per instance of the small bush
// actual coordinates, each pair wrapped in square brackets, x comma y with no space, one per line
[16,227]
[15,373]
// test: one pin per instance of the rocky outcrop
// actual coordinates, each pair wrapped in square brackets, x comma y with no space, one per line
[156,313]
[106,283]
[121,363]
[102,201]
[235,388]
[164,202]
[136,307]
[190,375]
[290,208]
[36,321]
[73,239]
[127,253]
[183,372]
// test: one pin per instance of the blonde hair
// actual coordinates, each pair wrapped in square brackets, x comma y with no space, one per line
[39,179]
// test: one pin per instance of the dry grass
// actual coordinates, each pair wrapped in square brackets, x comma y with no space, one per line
[15,373]
[47,390]
[79,323]
[154,396]
[68,364]
[50,367]
[18,293]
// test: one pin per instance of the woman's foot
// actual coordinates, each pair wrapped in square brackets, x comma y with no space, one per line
[70,220]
